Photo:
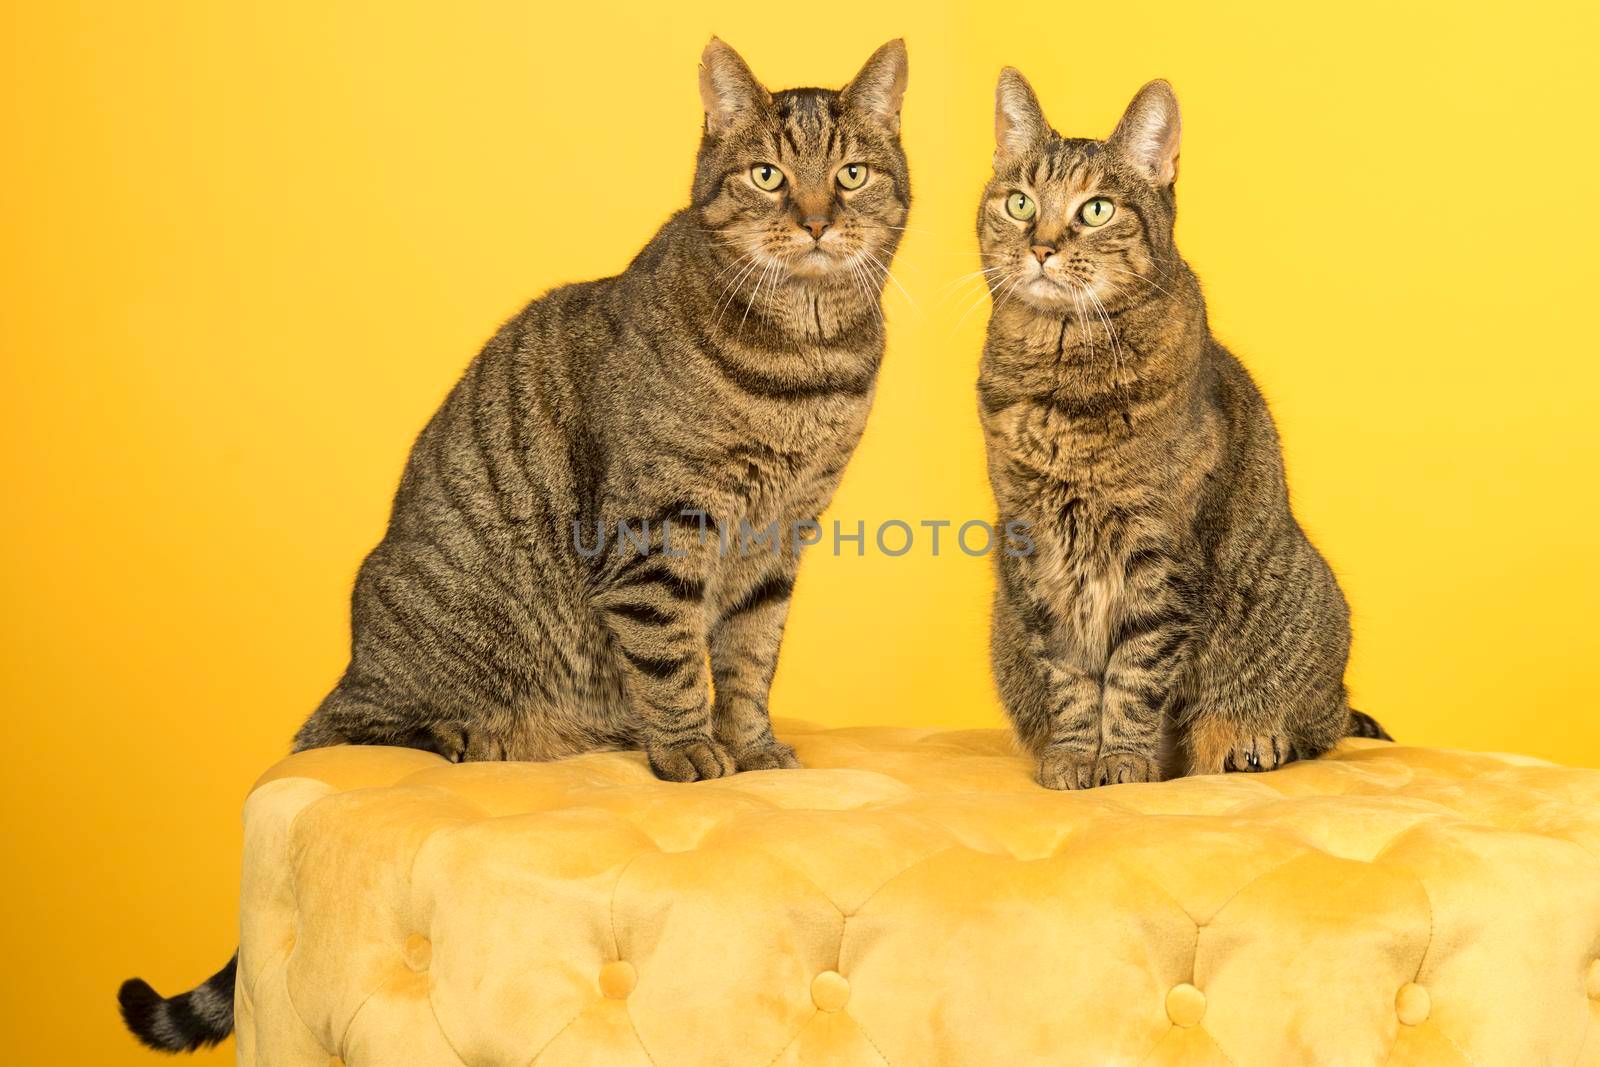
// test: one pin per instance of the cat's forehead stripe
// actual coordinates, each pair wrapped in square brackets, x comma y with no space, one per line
[1070,161]
[807,123]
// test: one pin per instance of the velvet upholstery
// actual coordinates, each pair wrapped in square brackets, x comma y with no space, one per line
[913,898]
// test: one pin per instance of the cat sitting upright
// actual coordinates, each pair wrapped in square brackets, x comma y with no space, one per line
[726,373]
[723,378]
[1173,614]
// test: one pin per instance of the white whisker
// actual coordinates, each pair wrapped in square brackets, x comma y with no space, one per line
[732,291]
[755,293]
[1136,274]
[1017,282]
[975,300]
[948,289]
[1077,302]
[889,274]
[1001,292]
[1111,335]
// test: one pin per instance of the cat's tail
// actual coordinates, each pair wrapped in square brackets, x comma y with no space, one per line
[1364,725]
[203,1016]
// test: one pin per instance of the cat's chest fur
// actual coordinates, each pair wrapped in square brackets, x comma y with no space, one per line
[1091,499]
[780,465]
[777,447]
[1077,570]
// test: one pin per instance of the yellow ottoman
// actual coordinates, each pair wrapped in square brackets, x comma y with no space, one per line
[912,898]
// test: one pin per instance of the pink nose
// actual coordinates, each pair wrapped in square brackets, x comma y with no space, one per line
[1043,252]
[816,226]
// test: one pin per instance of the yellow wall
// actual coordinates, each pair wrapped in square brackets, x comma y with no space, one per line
[248,247]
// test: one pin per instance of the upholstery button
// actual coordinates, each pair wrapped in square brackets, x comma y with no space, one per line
[419,952]
[617,979]
[1412,1004]
[830,990]
[1593,980]
[1185,1004]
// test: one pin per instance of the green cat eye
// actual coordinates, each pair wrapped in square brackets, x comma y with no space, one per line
[1020,206]
[1097,212]
[852,175]
[766,176]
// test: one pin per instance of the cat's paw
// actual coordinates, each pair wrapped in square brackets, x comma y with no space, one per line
[1115,768]
[460,742]
[1066,768]
[1221,748]
[1258,752]
[771,757]
[690,761]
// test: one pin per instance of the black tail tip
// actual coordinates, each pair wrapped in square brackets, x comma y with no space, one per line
[140,1005]
[1364,725]
[145,1013]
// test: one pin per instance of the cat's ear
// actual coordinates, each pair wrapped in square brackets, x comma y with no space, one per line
[1149,132]
[880,86]
[1019,121]
[728,91]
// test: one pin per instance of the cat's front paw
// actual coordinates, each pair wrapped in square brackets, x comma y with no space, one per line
[776,756]
[1066,768]
[1115,768]
[689,761]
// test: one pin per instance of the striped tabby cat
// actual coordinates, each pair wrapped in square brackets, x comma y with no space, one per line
[1173,615]
[719,383]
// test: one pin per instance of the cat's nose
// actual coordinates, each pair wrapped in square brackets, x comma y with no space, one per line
[1043,252]
[817,225]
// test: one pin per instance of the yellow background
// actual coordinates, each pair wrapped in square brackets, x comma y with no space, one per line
[247,248]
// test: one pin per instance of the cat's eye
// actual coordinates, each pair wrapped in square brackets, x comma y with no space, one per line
[852,175]
[767,177]
[1020,206]
[1097,212]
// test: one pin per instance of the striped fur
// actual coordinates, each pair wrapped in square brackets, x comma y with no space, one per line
[1174,617]
[726,373]
[184,1023]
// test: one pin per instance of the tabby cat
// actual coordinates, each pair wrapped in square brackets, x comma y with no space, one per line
[1173,616]
[721,381]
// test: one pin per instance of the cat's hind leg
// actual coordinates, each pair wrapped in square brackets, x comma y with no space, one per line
[1219,738]
[347,718]
[1217,743]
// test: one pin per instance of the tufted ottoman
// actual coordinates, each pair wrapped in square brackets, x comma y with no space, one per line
[912,898]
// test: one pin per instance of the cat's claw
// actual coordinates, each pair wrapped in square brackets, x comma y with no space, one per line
[1066,768]
[690,761]
[1258,752]
[1116,768]
[1248,753]
[1220,746]
[775,756]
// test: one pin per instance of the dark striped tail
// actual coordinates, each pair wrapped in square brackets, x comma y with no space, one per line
[1364,725]
[200,1017]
